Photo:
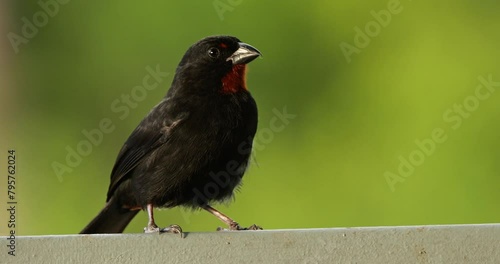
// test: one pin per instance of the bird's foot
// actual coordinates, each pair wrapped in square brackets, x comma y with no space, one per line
[174,229]
[236,227]
[151,228]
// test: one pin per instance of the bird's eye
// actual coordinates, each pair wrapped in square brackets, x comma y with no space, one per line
[213,52]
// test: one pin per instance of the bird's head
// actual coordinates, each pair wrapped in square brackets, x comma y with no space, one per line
[219,62]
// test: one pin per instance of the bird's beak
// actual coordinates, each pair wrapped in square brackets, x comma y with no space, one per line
[244,54]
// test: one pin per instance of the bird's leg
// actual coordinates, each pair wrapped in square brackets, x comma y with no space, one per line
[233,225]
[153,228]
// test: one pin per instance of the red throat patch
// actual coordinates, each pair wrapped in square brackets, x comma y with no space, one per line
[235,80]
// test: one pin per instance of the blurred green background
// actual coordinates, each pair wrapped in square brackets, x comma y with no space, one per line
[354,119]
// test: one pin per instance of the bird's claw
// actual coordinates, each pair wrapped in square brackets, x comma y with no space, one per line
[174,229]
[254,227]
[236,227]
[150,229]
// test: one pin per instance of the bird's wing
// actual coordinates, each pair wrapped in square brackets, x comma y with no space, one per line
[148,136]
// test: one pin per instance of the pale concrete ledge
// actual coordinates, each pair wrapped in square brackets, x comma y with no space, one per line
[414,244]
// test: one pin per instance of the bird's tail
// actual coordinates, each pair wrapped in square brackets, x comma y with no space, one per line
[111,219]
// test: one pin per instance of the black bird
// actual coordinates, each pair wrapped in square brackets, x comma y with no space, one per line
[193,148]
